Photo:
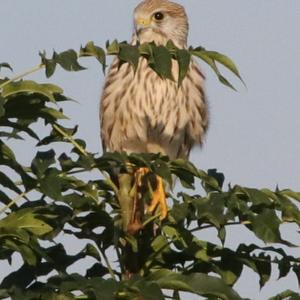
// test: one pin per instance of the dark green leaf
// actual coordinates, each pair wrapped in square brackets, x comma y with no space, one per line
[91,49]
[68,60]
[8,183]
[225,61]
[286,295]
[51,184]
[149,290]
[50,64]
[113,48]
[4,199]
[5,65]
[28,86]
[2,109]
[211,62]
[217,175]
[6,152]
[42,161]
[266,226]
[130,54]
[184,59]
[52,113]
[196,283]
[161,62]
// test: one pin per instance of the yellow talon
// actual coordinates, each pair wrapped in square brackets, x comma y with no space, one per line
[158,195]
[159,198]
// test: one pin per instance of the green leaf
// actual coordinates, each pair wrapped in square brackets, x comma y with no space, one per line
[185,171]
[179,211]
[50,64]
[130,54]
[8,183]
[229,268]
[6,152]
[92,251]
[183,58]
[286,295]
[149,290]
[196,283]
[91,50]
[211,62]
[162,169]
[28,86]
[113,48]
[5,65]
[53,113]
[4,199]
[211,209]
[51,184]
[2,109]
[264,268]
[225,61]
[161,62]
[28,255]
[145,49]
[25,219]
[4,294]
[172,48]
[258,198]
[68,60]
[290,211]
[291,194]
[55,136]
[284,267]
[20,278]
[220,178]
[19,126]
[266,226]
[222,234]
[42,161]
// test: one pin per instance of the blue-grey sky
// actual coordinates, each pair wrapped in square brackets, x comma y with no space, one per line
[254,136]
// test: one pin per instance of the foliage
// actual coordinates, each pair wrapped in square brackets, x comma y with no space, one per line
[49,198]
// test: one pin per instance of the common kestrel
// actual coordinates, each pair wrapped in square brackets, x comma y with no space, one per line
[140,111]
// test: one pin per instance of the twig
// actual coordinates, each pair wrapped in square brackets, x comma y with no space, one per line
[110,270]
[28,72]
[70,138]
[212,226]
[120,261]
[149,220]
[14,201]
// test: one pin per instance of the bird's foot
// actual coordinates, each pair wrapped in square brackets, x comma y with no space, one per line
[158,194]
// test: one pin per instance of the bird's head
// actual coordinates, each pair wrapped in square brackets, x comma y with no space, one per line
[160,21]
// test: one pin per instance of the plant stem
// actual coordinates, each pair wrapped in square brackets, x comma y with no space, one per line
[120,261]
[81,297]
[154,255]
[110,182]
[110,270]
[212,226]
[70,138]
[149,220]
[20,76]
[14,201]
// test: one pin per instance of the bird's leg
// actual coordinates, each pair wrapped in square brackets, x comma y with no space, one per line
[159,198]
[158,194]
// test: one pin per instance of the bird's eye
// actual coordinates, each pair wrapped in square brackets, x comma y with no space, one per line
[158,16]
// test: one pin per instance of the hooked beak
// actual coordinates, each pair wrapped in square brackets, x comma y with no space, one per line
[141,24]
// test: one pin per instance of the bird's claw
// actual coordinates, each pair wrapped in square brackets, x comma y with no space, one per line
[158,194]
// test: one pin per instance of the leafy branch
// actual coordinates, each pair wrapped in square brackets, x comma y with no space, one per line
[159,59]
[161,254]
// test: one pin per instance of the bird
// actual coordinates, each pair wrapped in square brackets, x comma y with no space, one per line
[140,112]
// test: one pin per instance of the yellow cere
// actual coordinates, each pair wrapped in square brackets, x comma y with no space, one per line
[143,22]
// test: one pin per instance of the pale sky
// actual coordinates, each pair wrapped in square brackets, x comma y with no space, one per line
[254,136]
